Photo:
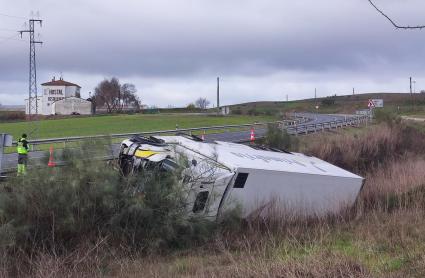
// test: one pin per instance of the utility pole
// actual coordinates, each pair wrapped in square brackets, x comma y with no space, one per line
[32,90]
[411,94]
[315,94]
[353,92]
[218,95]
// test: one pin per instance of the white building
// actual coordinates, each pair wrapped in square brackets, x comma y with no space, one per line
[57,90]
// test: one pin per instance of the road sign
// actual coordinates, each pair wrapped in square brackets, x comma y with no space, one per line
[379,103]
[371,104]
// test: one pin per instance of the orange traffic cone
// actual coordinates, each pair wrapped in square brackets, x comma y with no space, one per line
[252,135]
[51,161]
[203,136]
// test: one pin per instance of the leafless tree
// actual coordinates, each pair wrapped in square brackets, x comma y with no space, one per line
[202,103]
[114,96]
[396,25]
[129,97]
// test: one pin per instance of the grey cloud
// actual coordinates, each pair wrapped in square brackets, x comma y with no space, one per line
[192,40]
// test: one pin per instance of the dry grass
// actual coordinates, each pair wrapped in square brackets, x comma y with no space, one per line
[363,153]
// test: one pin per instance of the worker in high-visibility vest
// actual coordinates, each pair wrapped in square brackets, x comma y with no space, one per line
[22,150]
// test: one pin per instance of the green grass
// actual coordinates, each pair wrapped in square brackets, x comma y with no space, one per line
[85,126]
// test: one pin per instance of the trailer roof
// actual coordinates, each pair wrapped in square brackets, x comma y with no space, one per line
[238,156]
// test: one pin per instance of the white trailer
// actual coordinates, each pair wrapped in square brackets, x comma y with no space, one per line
[221,176]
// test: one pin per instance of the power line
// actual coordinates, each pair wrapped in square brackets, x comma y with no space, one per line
[396,25]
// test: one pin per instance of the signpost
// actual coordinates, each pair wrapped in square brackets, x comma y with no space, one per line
[371,106]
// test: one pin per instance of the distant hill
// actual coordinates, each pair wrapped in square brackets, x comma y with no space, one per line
[402,102]
[12,107]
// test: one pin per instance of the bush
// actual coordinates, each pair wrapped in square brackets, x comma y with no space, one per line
[388,117]
[237,111]
[157,218]
[280,139]
[57,209]
[191,106]
[328,101]
[12,116]
[271,112]
[253,112]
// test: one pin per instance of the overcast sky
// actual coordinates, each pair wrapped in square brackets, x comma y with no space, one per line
[173,50]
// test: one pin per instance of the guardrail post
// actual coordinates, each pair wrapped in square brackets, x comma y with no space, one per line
[5,141]
[1,151]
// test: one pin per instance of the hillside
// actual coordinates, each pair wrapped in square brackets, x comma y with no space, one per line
[401,102]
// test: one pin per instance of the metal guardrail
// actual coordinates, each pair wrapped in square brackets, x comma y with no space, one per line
[333,124]
[286,123]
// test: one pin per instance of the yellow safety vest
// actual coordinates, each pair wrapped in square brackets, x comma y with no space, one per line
[20,148]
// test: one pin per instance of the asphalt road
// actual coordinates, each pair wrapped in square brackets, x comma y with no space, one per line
[35,157]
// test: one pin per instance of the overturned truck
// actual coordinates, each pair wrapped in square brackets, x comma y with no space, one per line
[221,176]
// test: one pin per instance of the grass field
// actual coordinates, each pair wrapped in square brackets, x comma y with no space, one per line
[82,126]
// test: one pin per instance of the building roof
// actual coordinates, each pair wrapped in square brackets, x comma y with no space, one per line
[59,82]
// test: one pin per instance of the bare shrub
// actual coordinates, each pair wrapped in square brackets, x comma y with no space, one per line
[401,184]
[361,154]
[12,116]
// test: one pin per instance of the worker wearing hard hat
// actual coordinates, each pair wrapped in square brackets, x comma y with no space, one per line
[22,150]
